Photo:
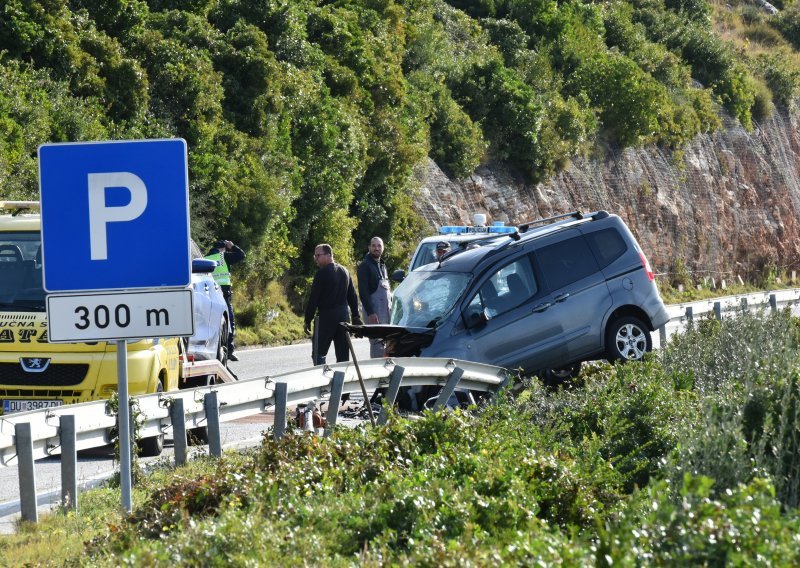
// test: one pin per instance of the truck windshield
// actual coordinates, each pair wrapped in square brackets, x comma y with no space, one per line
[425,297]
[21,271]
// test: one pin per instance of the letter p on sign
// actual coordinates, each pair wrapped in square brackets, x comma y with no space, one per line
[100,214]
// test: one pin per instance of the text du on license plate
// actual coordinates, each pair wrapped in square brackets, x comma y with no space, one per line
[10,406]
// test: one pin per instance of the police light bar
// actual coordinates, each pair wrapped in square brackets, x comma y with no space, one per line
[498,227]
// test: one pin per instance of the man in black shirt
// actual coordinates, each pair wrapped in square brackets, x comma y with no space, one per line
[334,296]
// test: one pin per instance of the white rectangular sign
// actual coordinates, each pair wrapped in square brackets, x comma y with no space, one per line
[119,315]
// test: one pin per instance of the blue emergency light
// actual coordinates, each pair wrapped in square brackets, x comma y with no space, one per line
[498,227]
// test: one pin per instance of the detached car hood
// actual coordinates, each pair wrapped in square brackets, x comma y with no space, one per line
[399,341]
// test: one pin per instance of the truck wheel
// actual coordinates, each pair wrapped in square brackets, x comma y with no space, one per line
[153,445]
[627,339]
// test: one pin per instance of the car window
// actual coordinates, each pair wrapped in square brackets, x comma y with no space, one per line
[607,245]
[425,255]
[566,262]
[506,288]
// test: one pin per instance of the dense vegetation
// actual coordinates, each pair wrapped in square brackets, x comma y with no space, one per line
[689,459]
[305,119]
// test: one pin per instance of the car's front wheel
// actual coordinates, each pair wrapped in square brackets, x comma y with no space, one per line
[627,339]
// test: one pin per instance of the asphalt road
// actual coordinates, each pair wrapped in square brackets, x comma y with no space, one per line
[97,465]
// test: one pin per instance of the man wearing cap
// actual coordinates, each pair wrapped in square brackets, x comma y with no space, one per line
[442,248]
[224,254]
[374,291]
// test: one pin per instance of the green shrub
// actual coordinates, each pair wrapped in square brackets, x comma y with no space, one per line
[457,143]
[749,401]
[782,78]
[788,23]
[697,528]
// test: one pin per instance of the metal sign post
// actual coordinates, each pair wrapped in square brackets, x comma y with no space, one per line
[124,424]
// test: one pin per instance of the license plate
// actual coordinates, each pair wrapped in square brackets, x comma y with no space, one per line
[10,406]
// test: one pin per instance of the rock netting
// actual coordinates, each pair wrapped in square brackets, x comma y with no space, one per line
[727,204]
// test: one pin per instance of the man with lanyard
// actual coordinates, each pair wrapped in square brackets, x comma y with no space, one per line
[333,294]
[224,254]
[374,291]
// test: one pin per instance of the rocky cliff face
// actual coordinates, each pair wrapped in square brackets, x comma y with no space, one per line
[726,205]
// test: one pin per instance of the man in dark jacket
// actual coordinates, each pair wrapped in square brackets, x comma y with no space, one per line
[374,291]
[226,253]
[334,296]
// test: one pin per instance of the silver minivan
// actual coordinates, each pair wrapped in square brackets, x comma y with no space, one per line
[557,292]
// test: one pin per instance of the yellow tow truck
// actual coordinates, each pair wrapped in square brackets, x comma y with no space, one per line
[35,373]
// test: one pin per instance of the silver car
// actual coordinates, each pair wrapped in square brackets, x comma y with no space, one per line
[211,325]
[577,287]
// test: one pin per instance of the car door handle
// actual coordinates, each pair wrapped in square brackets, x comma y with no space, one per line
[541,307]
[561,297]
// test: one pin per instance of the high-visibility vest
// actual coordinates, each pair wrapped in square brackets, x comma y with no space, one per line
[221,274]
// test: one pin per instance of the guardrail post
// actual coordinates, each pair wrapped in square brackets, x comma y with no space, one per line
[690,314]
[23,440]
[449,387]
[662,335]
[211,407]
[178,419]
[773,303]
[69,462]
[337,385]
[718,310]
[391,393]
[281,396]
[744,303]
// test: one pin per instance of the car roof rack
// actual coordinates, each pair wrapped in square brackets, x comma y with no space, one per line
[465,245]
[574,214]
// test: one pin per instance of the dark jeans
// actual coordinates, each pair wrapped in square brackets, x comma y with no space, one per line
[226,293]
[328,330]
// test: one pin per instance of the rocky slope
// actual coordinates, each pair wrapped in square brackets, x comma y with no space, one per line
[727,205]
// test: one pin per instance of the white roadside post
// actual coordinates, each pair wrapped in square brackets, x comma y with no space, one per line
[103,279]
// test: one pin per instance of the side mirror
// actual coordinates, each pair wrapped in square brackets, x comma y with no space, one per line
[476,317]
[398,276]
[203,265]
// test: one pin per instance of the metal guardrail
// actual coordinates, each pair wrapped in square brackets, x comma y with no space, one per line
[681,314]
[28,436]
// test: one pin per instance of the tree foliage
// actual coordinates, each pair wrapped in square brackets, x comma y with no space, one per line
[305,120]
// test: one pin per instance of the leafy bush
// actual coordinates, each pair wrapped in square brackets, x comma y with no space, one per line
[699,528]
[750,401]
[788,23]
[783,80]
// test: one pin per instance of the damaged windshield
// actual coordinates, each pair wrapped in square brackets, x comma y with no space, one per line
[425,297]
[21,271]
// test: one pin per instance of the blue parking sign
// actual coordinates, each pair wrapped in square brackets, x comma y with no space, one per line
[115,215]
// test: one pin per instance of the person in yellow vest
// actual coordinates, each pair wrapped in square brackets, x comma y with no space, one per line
[225,253]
